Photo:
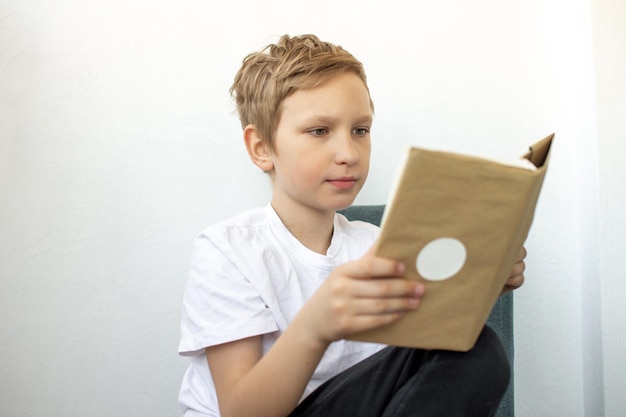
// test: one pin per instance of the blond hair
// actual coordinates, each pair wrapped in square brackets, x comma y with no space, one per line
[267,77]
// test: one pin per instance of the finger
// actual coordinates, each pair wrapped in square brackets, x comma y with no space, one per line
[376,306]
[522,254]
[360,323]
[518,269]
[514,283]
[387,288]
[370,266]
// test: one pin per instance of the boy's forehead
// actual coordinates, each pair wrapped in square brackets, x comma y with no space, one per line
[344,94]
[326,113]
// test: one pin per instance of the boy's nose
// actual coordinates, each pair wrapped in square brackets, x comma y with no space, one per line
[346,152]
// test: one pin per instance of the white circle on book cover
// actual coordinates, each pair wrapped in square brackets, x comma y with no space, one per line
[441,258]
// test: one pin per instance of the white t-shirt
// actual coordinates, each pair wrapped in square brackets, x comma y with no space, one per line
[250,276]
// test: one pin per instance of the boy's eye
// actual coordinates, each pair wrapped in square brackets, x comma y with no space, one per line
[361,131]
[320,131]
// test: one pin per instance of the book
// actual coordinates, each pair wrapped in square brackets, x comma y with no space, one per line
[458,223]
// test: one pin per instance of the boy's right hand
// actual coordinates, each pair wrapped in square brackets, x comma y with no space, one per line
[360,295]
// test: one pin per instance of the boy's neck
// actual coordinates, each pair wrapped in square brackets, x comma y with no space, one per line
[313,228]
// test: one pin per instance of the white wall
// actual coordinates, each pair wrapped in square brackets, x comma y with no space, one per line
[609,22]
[117,145]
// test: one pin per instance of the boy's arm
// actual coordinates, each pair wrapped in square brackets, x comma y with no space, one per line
[249,384]
[356,296]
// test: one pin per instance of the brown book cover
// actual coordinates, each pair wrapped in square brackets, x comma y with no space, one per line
[458,223]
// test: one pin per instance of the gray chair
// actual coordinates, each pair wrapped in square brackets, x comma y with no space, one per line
[500,319]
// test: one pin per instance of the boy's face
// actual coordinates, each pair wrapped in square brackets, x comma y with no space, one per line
[322,146]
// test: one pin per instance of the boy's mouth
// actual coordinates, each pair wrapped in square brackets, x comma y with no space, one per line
[343,183]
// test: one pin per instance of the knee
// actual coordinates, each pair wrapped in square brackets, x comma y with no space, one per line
[489,355]
[489,342]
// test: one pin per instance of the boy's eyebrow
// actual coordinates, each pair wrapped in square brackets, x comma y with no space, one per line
[366,120]
[322,119]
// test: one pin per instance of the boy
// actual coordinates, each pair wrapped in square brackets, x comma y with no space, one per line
[274,292]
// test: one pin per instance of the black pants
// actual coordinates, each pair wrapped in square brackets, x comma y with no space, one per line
[402,382]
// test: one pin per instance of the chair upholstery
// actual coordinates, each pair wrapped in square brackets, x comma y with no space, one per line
[500,319]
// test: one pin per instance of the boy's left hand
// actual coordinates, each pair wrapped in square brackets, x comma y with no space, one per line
[516,277]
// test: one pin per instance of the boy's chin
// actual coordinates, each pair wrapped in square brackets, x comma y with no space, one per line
[344,204]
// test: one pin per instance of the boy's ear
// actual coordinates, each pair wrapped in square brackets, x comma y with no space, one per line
[258,151]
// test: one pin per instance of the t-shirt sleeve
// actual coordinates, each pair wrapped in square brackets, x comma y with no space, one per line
[220,305]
